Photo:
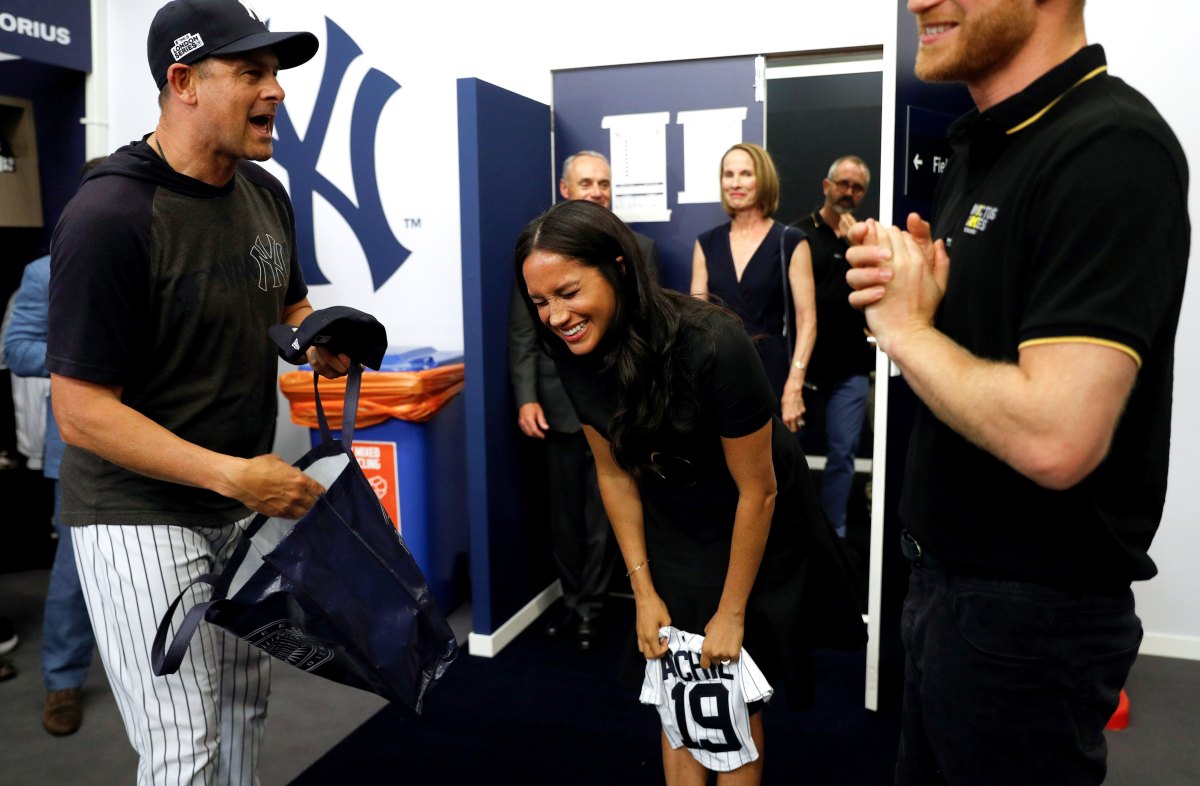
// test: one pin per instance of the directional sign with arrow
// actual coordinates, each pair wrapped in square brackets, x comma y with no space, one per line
[927,152]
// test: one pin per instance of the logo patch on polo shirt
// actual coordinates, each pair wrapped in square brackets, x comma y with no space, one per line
[981,216]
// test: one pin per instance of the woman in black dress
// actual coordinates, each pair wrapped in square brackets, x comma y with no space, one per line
[707,492]
[742,263]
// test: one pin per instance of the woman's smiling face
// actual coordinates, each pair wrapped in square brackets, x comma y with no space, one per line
[575,301]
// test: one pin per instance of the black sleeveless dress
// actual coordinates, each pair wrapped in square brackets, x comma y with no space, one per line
[759,297]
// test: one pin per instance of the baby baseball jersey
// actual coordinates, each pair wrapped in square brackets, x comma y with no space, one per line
[705,709]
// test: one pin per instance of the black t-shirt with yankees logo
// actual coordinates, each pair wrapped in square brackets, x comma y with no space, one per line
[165,286]
[1064,210]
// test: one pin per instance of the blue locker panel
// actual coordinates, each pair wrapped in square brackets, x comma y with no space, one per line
[505,181]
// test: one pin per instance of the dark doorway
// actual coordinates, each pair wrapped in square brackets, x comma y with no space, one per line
[813,120]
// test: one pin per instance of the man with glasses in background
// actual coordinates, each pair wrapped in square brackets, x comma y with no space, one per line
[842,358]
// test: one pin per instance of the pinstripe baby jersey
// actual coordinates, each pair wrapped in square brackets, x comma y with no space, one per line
[705,709]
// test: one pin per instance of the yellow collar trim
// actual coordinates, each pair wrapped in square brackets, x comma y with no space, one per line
[1050,105]
[1084,340]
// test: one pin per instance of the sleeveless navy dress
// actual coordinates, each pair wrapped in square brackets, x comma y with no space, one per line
[759,297]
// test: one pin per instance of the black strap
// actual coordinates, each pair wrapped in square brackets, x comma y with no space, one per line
[169,663]
[787,292]
[350,404]
[349,407]
[321,421]
[166,660]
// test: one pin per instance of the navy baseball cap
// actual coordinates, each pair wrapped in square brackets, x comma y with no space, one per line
[340,329]
[184,31]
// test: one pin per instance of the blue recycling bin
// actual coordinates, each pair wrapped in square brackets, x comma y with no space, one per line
[419,472]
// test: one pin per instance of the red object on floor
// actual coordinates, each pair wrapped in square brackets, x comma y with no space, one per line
[1120,718]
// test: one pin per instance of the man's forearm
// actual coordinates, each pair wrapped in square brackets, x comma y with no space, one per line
[295,313]
[1050,417]
[92,417]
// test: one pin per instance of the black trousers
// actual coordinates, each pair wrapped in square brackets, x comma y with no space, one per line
[581,538]
[1009,682]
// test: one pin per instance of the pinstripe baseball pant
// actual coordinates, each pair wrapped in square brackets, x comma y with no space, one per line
[203,724]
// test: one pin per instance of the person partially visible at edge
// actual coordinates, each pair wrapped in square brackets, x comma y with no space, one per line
[842,359]
[579,533]
[708,493]
[167,269]
[67,638]
[742,263]
[1035,318]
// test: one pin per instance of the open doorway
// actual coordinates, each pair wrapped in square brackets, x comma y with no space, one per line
[820,108]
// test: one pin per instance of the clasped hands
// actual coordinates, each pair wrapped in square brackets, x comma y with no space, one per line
[898,277]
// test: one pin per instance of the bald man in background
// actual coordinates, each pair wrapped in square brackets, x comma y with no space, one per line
[581,539]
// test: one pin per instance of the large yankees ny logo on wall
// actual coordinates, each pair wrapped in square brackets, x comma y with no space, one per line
[298,156]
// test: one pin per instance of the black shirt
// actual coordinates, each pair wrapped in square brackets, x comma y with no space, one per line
[688,495]
[165,286]
[689,505]
[1064,212]
[841,349]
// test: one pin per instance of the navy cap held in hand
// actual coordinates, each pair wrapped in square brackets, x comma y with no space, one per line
[341,330]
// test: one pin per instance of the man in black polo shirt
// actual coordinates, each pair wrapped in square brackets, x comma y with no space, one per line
[1036,322]
[842,359]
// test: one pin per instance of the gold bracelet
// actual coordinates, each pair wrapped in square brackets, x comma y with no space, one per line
[637,568]
[799,365]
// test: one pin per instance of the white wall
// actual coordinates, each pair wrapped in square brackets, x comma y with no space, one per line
[427,46]
[1153,53]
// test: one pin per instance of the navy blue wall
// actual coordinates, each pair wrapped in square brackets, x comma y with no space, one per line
[582,97]
[929,108]
[62,32]
[504,174]
[58,104]
[930,102]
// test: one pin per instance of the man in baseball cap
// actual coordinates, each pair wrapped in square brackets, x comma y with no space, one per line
[185,31]
[164,378]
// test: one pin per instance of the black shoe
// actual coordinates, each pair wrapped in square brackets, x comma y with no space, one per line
[561,624]
[587,633]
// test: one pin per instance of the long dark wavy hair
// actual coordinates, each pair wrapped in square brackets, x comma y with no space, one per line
[644,347]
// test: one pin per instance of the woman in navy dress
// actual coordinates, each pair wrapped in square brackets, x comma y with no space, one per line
[708,493]
[741,265]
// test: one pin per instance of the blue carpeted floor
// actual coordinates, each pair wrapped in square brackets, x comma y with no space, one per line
[542,712]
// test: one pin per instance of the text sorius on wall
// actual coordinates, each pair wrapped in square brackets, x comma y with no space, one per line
[55,34]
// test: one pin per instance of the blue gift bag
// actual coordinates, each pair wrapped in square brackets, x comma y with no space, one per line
[335,593]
